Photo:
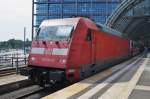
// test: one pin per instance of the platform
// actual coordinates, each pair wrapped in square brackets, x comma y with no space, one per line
[129,80]
[11,79]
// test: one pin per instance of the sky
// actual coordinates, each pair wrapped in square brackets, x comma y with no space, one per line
[14,16]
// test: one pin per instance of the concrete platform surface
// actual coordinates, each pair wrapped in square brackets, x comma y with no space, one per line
[11,78]
[129,80]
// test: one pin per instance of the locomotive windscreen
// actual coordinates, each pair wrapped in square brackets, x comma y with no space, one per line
[59,32]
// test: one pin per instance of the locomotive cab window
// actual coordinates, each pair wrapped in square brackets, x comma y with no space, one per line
[89,35]
[60,32]
[37,31]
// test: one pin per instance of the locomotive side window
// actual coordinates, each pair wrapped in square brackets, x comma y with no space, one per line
[54,32]
[89,35]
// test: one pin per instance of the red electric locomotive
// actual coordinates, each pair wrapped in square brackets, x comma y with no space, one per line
[73,48]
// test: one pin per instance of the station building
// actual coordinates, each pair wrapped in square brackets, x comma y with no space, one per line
[97,10]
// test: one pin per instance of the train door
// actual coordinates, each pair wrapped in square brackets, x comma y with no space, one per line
[93,52]
[91,38]
[87,54]
[93,47]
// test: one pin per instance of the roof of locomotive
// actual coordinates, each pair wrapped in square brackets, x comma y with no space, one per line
[74,22]
[65,21]
[109,30]
[68,21]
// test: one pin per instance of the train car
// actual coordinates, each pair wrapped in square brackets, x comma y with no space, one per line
[73,48]
[135,48]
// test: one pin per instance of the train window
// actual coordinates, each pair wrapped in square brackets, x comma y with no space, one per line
[88,36]
[54,32]
[37,31]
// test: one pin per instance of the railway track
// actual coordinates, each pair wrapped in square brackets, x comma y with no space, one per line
[4,89]
[8,71]
[31,91]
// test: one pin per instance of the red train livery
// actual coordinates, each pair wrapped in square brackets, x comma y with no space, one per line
[73,48]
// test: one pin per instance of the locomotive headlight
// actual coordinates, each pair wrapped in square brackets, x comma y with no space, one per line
[32,58]
[63,60]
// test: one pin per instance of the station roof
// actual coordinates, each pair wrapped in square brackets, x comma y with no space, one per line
[132,18]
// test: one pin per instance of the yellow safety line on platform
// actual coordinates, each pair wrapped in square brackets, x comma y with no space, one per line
[123,90]
[141,87]
[94,90]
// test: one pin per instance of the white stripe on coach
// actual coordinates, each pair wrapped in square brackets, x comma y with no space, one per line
[37,51]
